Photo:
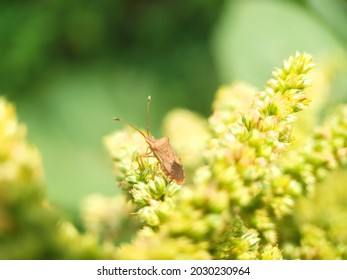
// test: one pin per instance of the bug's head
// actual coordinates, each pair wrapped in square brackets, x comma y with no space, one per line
[150,140]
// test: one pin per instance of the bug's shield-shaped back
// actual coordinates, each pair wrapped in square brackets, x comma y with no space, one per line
[170,163]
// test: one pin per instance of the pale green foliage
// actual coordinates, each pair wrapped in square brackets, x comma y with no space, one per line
[141,177]
[20,164]
[250,192]
[31,228]
[243,180]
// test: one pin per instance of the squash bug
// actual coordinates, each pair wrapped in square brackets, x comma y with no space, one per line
[170,163]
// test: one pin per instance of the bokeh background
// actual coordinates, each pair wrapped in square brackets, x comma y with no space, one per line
[70,66]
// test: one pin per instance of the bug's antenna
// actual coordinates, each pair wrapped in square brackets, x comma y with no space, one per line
[128,123]
[148,102]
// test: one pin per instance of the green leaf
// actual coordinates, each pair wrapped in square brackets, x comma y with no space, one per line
[252,36]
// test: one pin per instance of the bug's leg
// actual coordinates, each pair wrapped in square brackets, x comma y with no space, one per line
[139,160]
[157,166]
[145,155]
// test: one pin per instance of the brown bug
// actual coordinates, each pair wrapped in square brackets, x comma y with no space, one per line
[161,149]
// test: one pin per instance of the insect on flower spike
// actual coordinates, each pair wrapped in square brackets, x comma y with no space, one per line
[170,163]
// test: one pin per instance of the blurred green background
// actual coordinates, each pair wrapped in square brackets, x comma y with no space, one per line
[70,66]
